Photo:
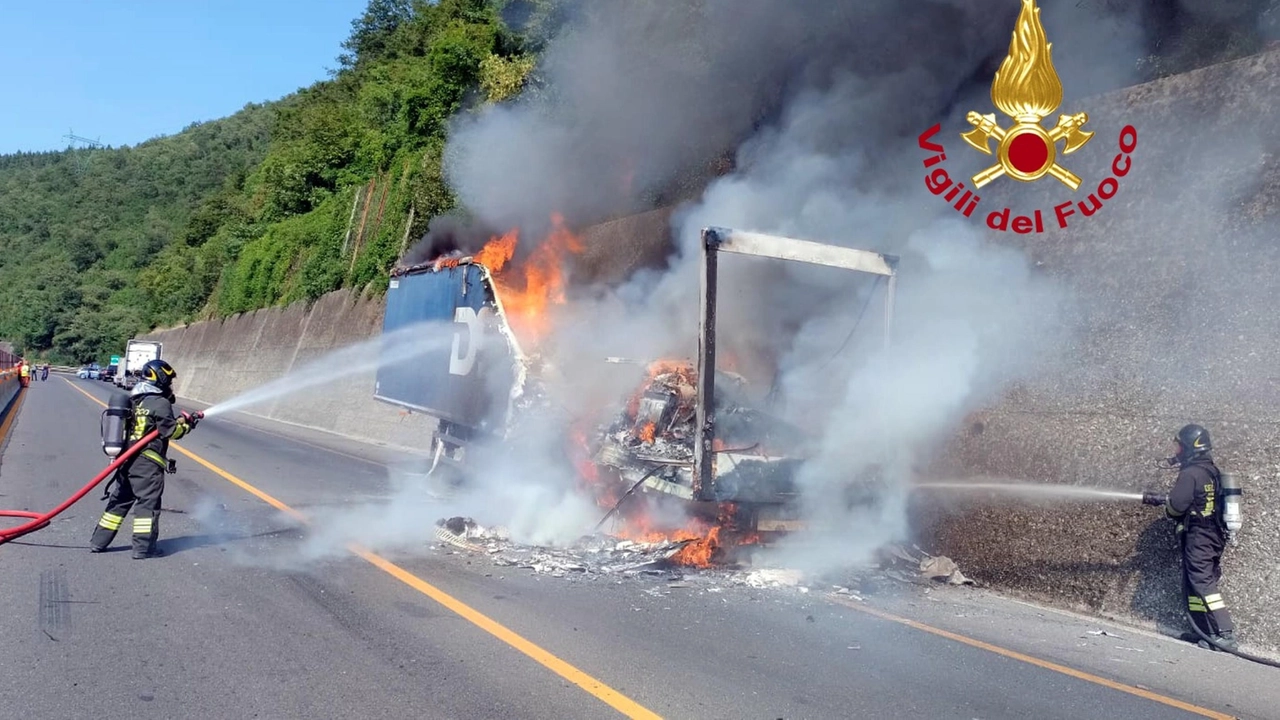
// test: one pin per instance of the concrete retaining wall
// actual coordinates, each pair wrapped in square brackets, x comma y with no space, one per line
[1179,283]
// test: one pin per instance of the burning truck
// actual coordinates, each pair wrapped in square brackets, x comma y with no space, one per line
[686,439]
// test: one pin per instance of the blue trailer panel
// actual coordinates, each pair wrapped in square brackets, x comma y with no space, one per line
[445,352]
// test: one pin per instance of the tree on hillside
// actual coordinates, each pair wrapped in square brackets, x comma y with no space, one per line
[371,31]
[279,202]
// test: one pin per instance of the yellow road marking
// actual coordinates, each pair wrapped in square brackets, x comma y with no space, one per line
[603,692]
[1014,655]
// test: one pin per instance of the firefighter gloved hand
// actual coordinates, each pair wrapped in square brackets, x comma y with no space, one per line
[190,419]
[1150,498]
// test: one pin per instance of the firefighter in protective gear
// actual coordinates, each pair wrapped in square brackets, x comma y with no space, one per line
[1195,503]
[139,482]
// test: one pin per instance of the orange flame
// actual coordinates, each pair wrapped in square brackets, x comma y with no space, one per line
[705,543]
[646,432]
[683,368]
[498,251]
[528,289]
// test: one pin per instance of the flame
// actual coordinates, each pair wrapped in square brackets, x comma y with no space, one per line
[498,251]
[1026,86]
[685,369]
[646,432]
[529,288]
[705,542]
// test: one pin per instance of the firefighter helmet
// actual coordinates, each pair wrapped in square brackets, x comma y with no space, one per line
[1193,441]
[158,373]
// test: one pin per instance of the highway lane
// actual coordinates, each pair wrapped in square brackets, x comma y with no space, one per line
[239,630]
[199,633]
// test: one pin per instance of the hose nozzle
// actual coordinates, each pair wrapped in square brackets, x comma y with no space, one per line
[1155,499]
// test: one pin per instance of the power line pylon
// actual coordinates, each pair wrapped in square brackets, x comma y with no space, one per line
[81,158]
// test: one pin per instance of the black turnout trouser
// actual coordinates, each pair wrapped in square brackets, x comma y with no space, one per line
[139,481]
[1202,548]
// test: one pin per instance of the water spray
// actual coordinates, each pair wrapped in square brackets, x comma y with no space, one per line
[403,345]
[1035,489]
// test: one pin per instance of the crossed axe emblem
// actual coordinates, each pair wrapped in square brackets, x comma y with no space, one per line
[985,129]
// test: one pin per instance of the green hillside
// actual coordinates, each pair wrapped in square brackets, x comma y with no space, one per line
[298,197]
[276,203]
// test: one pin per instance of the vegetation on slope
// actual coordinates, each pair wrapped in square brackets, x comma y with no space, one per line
[276,203]
[295,198]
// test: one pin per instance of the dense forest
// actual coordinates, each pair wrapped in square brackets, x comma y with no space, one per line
[291,199]
[278,202]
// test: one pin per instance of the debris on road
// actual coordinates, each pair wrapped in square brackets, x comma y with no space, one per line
[899,563]
[604,556]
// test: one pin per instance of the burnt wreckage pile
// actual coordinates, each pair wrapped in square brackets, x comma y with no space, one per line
[649,445]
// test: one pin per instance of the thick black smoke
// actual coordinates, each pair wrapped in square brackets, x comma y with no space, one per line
[640,97]
[449,234]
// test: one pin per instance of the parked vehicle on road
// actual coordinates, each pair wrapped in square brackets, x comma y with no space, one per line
[136,354]
[89,372]
[108,373]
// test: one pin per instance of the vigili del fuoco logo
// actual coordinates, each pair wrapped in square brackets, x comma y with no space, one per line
[1027,89]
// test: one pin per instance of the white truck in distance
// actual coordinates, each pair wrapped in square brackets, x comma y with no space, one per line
[136,354]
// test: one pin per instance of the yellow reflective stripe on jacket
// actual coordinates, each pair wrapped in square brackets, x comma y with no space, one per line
[155,457]
[139,428]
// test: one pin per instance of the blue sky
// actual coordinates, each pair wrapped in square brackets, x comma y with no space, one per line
[126,71]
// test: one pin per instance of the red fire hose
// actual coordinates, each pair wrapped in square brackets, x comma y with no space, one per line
[38,521]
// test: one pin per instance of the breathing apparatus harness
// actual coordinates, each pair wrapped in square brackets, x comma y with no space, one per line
[118,417]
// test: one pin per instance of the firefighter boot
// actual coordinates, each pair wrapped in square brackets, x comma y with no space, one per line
[1227,640]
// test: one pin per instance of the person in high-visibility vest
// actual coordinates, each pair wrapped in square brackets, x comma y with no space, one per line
[25,373]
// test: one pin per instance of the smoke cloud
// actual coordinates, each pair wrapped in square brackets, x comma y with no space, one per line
[815,109]
[819,108]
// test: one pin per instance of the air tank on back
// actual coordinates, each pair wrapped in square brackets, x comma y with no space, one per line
[1232,511]
[114,425]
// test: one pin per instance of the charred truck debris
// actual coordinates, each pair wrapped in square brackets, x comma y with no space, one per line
[687,442]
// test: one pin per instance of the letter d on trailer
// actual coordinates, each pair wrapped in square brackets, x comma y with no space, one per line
[448,352]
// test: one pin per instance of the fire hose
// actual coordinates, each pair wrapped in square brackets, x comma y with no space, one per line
[1237,652]
[38,520]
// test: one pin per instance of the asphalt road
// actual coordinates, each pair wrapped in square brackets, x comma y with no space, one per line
[236,622]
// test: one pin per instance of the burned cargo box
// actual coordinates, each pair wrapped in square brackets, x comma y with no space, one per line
[448,352]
